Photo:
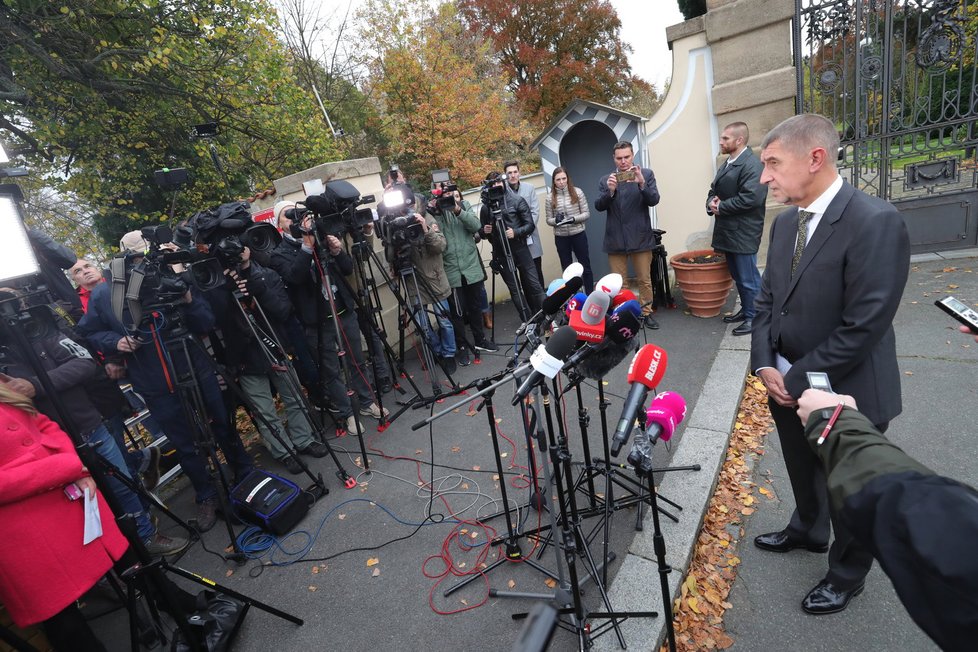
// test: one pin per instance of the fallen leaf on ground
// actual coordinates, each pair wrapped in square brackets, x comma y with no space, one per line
[312,588]
[550,582]
[511,584]
[373,561]
[376,573]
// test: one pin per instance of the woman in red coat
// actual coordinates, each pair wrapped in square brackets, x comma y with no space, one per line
[44,566]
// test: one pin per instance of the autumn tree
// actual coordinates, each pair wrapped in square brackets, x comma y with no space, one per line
[553,51]
[97,94]
[441,102]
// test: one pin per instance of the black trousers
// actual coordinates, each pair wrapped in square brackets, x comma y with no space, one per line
[465,302]
[529,281]
[849,561]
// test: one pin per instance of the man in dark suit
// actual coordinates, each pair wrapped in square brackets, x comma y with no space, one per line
[836,268]
[736,200]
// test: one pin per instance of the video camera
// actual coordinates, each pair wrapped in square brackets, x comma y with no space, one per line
[443,189]
[399,227]
[493,190]
[226,230]
[334,211]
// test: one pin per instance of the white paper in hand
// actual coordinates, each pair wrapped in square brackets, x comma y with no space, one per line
[93,523]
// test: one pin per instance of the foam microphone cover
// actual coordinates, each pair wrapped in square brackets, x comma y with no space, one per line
[576,302]
[574,269]
[319,205]
[648,366]
[619,342]
[623,296]
[595,308]
[673,402]
[610,284]
[667,411]
[554,284]
[633,307]
[622,327]
[555,300]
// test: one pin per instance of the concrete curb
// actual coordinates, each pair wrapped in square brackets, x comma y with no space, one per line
[636,587]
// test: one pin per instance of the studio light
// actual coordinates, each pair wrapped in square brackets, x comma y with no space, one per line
[16,255]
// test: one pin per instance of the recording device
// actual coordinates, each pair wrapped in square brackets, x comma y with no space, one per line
[336,211]
[493,190]
[226,230]
[547,360]
[627,175]
[443,189]
[959,311]
[399,227]
[667,411]
[562,219]
[819,380]
[644,373]
[576,302]
[624,295]
[35,322]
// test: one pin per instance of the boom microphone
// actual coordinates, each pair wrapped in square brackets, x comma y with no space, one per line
[548,359]
[646,371]
[319,205]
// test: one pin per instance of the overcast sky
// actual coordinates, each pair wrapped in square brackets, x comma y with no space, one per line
[644,25]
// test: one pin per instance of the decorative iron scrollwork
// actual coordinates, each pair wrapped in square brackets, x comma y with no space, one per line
[931,173]
[830,77]
[871,67]
[940,44]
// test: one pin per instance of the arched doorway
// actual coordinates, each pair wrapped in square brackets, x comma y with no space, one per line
[586,153]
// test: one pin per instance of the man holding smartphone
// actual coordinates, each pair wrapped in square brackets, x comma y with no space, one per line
[626,194]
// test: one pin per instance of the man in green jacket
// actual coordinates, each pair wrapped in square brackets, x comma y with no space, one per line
[465,273]
[920,526]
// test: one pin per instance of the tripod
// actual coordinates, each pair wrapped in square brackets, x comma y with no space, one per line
[661,289]
[516,289]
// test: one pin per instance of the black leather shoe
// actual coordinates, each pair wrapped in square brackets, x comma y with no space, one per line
[744,328]
[783,542]
[827,599]
[734,318]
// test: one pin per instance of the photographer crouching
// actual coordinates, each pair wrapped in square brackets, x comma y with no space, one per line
[507,221]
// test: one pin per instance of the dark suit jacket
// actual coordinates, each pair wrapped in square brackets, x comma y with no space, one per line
[836,314]
[738,226]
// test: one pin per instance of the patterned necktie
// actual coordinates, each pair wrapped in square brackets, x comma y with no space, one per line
[803,217]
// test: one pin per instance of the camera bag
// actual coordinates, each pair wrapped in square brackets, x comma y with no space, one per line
[270,502]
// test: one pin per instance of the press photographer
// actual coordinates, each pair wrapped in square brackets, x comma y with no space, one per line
[506,219]
[463,269]
[162,313]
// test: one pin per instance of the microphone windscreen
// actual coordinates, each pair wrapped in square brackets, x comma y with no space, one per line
[672,402]
[574,269]
[604,359]
[648,366]
[595,308]
[623,296]
[634,307]
[556,300]
[622,327]
[576,302]
[562,342]
[610,284]
[320,205]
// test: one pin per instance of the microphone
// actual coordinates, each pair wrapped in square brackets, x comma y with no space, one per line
[574,269]
[632,306]
[554,285]
[589,322]
[646,371]
[622,297]
[552,303]
[667,411]
[547,360]
[576,302]
[619,341]
[610,284]
[319,205]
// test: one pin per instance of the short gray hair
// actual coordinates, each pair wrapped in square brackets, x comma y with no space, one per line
[801,133]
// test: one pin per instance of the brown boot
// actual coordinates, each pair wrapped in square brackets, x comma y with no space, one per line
[487,320]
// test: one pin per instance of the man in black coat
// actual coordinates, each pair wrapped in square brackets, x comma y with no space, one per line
[736,201]
[518,220]
[836,268]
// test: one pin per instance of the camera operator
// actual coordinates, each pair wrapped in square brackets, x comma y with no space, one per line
[151,378]
[518,221]
[293,260]
[464,271]
[248,282]
[71,368]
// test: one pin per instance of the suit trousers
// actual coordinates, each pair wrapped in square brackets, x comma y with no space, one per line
[849,561]
[642,263]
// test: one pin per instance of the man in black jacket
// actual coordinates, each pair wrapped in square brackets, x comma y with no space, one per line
[518,221]
[294,261]
[736,201]
[251,366]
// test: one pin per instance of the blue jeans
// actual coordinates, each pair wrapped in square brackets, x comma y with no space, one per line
[103,443]
[576,244]
[743,269]
[443,344]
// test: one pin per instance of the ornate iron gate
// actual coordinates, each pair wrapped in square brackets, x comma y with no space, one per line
[898,77]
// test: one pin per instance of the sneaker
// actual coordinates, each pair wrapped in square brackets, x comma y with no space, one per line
[160,544]
[463,359]
[351,425]
[486,345]
[291,465]
[650,322]
[373,410]
[151,476]
[449,365]
[316,449]
[206,514]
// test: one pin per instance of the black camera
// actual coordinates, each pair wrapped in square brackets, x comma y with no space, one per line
[443,189]
[226,230]
[493,190]
[335,211]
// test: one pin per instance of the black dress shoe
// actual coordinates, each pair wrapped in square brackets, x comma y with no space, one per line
[734,318]
[744,328]
[783,542]
[827,599]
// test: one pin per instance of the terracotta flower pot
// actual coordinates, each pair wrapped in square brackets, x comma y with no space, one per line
[705,280]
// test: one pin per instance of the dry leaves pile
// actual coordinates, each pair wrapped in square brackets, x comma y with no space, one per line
[698,612]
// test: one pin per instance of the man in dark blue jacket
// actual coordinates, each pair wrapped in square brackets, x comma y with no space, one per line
[627,195]
[145,352]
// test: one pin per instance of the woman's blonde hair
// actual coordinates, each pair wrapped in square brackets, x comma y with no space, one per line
[10,397]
